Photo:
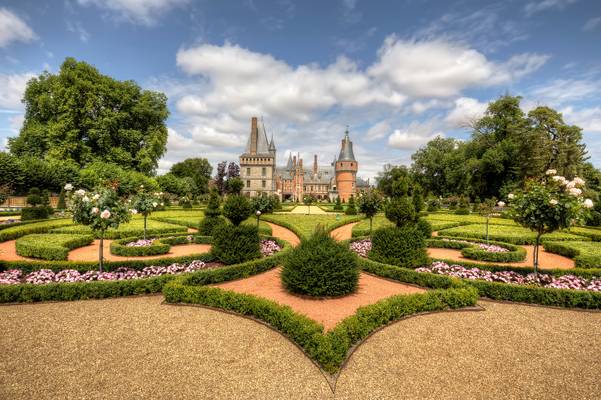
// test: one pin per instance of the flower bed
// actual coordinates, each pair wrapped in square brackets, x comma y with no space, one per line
[138,248]
[269,247]
[361,247]
[10,221]
[514,278]
[44,276]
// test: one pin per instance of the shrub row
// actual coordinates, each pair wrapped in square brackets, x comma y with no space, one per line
[22,229]
[589,258]
[515,253]
[36,213]
[123,231]
[157,247]
[50,247]
[331,349]
[507,234]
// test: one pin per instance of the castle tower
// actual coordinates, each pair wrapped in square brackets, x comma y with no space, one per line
[257,164]
[346,170]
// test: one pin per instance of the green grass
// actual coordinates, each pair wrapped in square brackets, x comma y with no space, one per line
[505,233]
[22,229]
[49,246]
[191,213]
[304,225]
[585,254]
[380,221]
[191,220]
[593,233]
[472,219]
[131,229]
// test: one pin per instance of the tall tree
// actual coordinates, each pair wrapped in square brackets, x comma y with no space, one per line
[198,169]
[233,170]
[220,177]
[81,115]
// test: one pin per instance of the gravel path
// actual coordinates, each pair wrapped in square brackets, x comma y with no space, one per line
[343,232]
[139,348]
[306,210]
[284,234]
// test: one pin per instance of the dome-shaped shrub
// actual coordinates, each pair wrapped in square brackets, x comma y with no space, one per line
[320,266]
[404,246]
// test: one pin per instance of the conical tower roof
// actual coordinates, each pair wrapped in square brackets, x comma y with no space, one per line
[346,149]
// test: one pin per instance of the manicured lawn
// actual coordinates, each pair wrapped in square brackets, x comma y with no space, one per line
[471,218]
[585,254]
[19,230]
[50,246]
[133,228]
[593,233]
[304,225]
[505,233]
[192,219]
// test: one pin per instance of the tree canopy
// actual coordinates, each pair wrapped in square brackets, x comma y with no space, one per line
[198,169]
[83,116]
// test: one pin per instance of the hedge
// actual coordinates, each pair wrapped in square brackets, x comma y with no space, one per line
[131,229]
[329,349]
[49,246]
[588,231]
[24,228]
[585,254]
[508,234]
[472,251]
[157,247]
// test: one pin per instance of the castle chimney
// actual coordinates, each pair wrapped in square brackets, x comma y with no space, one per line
[300,162]
[254,135]
[294,161]
[315,164]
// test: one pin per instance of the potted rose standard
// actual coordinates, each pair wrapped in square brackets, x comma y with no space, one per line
[100,211]
[145,203]
[548,205]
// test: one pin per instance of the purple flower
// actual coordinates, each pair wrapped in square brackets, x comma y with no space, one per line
[269,247]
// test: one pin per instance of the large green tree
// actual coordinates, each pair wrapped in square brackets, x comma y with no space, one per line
[198,169]
[81,115]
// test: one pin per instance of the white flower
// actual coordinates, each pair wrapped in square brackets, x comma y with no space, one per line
[570,184]
[85,199]
[510,196]
[553,202]
[551,172]
[501,204]
[162,204]
[80,192]
[154,204]
[96,196]
[106,214]
[575,192]
[95,210]
[579,181]
[133,211]
[68,187]
[558,178]
[588,203]
[141,186]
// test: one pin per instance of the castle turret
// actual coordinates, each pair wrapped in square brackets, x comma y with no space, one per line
[257,164]
[346,169]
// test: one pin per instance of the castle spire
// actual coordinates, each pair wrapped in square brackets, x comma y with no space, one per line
[346,148]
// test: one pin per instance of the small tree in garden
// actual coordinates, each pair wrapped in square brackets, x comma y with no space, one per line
[308,200]
[145,203]
[100,211]
[369,204]
[234,185]
[486,209]
[338,205]
[235,243]
[62,204]
[400,211]
[237,209]
[548,205]
[417,199]
[212,214]
[351,209]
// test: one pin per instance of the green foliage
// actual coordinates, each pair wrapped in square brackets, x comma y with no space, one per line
[320,266]
[370,203]
[34,198]
[35,213]
[130,229]
[433,205]
[234,244]
[400,211]
[199,169]
[338,205]
[463,207]
[50,246]
[234,186]
[177,186]
[351,209]
[304,225]
[424,227]
[4,193]
[214,204]
[22,229]
[62,204]
[585,254]
[394,181]
[237,208]
[100,211]
[208,224]
[404,246]
[506,233]
[265,203]
[120,248]
[81,115]
[417,199]
[185,202]
[126,181]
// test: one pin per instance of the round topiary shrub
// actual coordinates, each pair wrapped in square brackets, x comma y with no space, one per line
[424,227]
[233,244]
[404,246]
[320,266]
[400,211]
[237,208]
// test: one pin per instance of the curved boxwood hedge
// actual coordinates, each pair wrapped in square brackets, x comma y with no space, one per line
[120,248]
[508,234]
[585,254]
[30,227]
[515,253]
[588,231]
[131,229]
[50,246]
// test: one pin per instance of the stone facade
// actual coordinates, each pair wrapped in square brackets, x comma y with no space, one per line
[294,181]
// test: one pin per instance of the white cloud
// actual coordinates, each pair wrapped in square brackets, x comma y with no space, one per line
[538,6]
[589,119]
[13,29]
[12,87]
[442,69]
[378,131]
[560,91]
[144,12]
[79,30]
[465,111]
[16,122]
[592,24]
[413,136]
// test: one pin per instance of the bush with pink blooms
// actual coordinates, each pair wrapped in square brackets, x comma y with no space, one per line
[269,247]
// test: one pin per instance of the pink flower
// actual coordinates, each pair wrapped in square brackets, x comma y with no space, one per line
[106,214]
[575,192]
[95,210]
[578,181]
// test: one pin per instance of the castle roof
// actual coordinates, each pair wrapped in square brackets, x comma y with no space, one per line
[257,141]
[346,149]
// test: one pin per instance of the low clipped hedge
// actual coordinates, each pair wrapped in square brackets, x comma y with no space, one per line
[157,247]
[588,231]
[235,244]
[329,349]
[50,246]
[124,231]
[36,213]
[27,228]
[403,246]
[515,253]
[507,234]
[585,254]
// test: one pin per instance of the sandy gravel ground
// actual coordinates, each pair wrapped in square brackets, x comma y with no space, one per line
[344,232]
[546,260]
[138,348]
[326,311]
[306,210]
[283,233]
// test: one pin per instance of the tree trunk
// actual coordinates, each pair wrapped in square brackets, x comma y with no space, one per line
[144,227]
[101,251]
[536,247]
[370,225]
[487,229]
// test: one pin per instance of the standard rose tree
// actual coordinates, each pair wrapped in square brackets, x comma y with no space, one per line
[548,205]
[100,211]
[145,203]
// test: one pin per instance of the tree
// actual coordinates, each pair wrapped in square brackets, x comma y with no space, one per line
[308,200]
[401,212]
[126,182]
[179,186]
[486,209]
[549,204]
[394,179]
[233,170]
[234,186]
[351,209]
[61,205]
[369,204]
[144,203]
[4,193]
[237,209]
[198,169]
[220,180]
[100,211]
[338,204]
[81,115]
[417,199]
[212,214]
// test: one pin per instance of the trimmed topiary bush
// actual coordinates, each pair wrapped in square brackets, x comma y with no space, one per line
[237,209]
[320,266]
[424,227]
[351,209]
[404,246]
[236,243]
[400,211]
[35,213]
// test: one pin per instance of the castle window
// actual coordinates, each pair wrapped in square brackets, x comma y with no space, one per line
[247,171]
[351,164]
[263,183]
[248,183]
[263,171]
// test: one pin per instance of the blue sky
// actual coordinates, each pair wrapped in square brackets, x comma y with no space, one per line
[398,73]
